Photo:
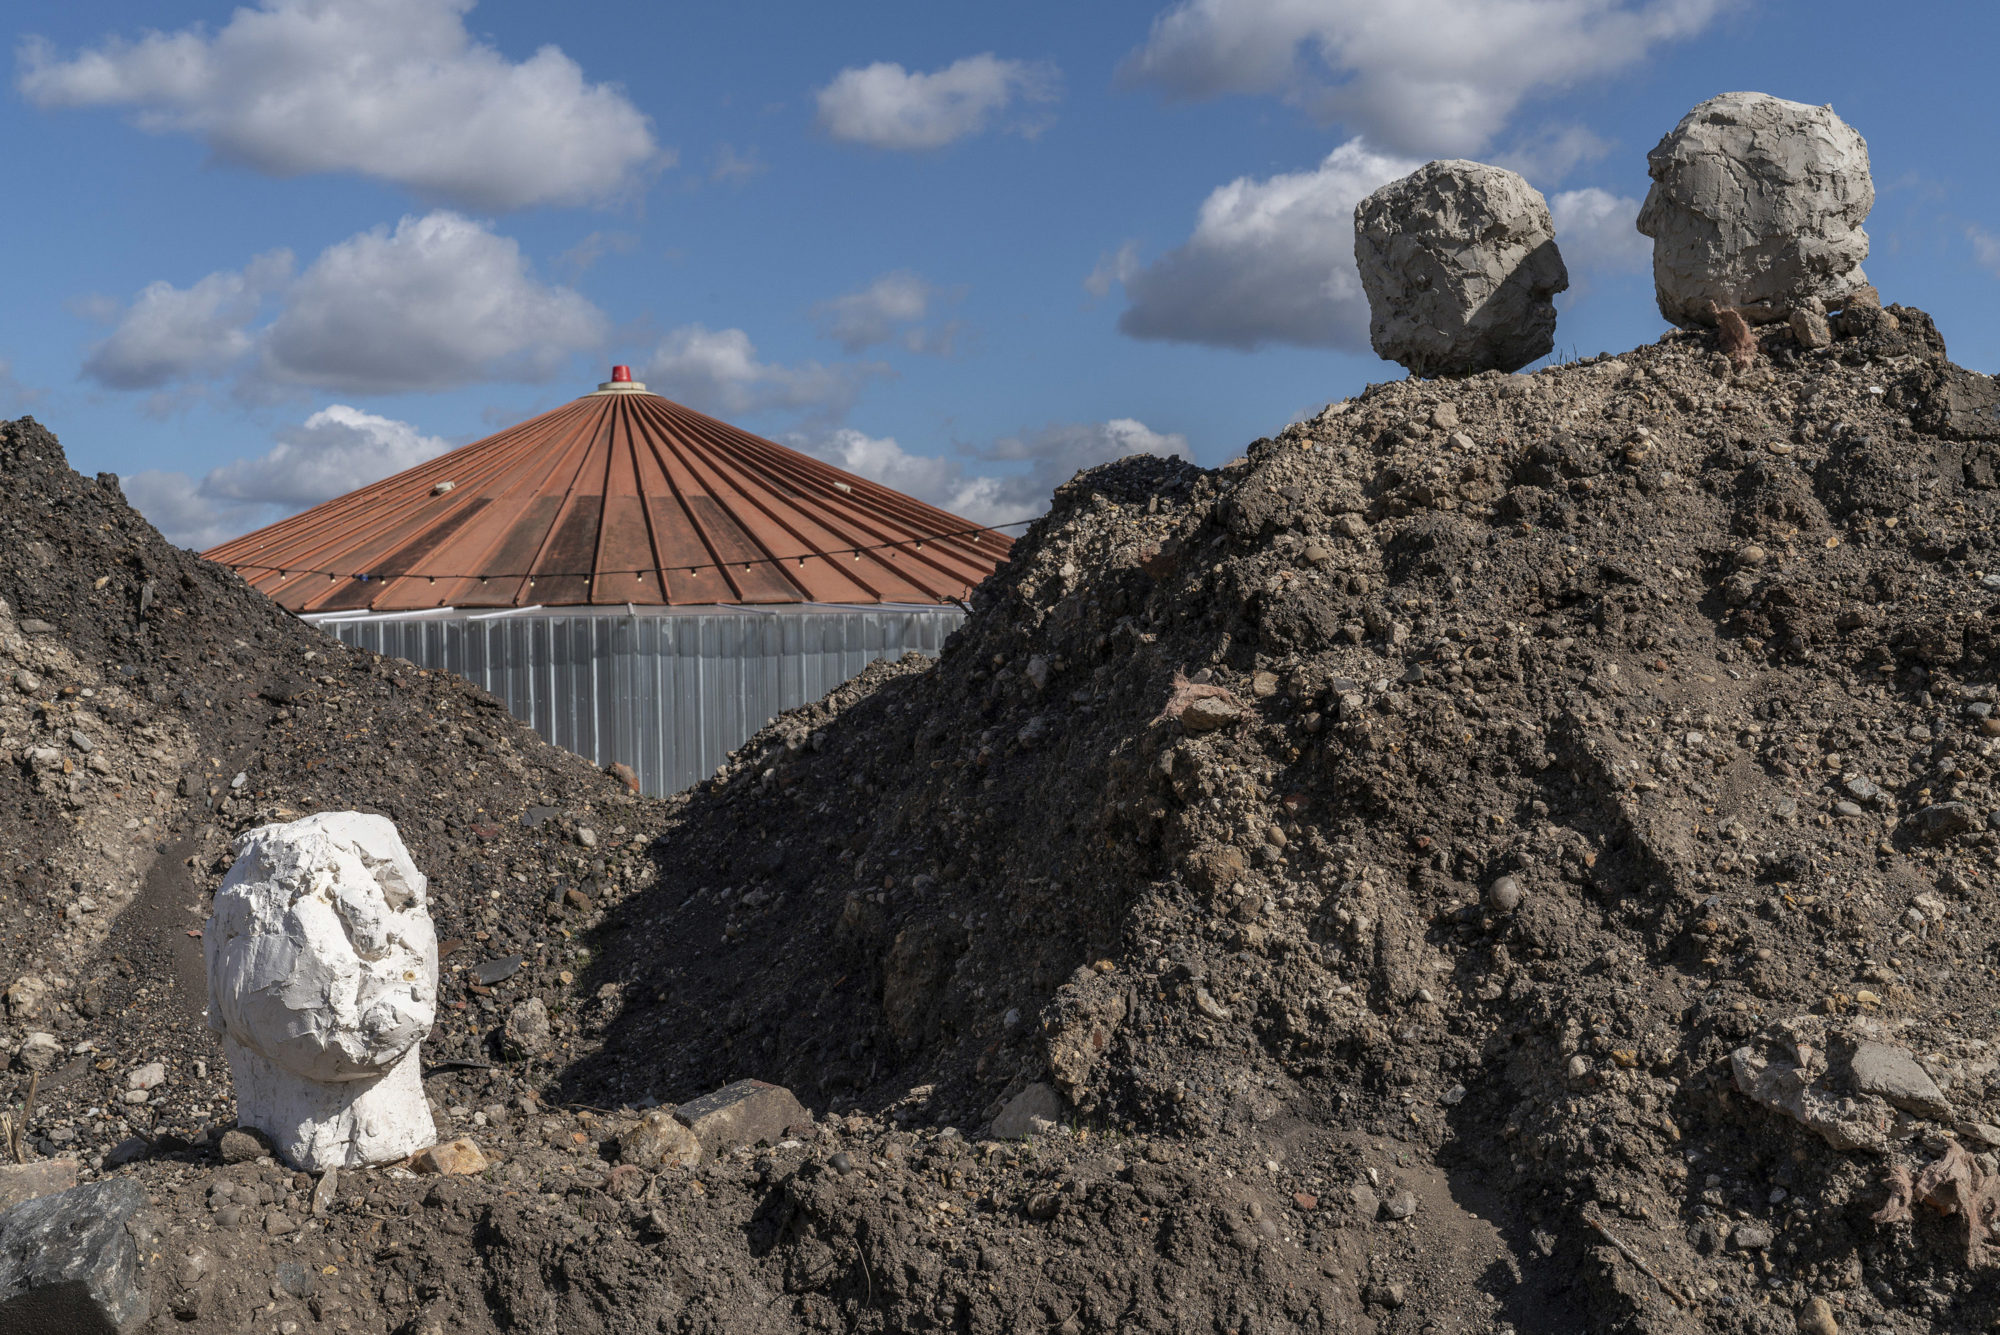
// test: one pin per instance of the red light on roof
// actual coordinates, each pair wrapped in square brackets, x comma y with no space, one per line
[621,375]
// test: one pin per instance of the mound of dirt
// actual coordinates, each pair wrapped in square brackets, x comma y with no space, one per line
[1508,854]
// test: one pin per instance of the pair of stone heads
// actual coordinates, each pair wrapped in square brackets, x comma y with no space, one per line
[1756,206]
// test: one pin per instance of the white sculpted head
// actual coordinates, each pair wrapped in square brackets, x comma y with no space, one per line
[322,975]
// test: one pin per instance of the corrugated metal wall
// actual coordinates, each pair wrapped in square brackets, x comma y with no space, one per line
[668,693]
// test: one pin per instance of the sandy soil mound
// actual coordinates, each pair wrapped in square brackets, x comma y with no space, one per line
[1510,851]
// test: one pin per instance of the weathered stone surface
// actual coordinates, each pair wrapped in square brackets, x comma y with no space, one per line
[527,1033]
[1784,1073]
[1894,1074]
[454,1158]
[322,976]
[26,1181]
[70,1263]
[1035,1111]
[742,1114]
[1756,205]
[1461,269]
[1210,713]
[659,1142]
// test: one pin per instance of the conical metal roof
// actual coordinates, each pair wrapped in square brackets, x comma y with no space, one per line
[619,497]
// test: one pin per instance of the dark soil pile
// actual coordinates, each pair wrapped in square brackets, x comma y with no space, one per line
[1509,852]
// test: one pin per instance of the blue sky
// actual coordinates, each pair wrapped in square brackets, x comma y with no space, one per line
[262,255]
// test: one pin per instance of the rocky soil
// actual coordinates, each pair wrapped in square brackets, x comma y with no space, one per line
[1508,853]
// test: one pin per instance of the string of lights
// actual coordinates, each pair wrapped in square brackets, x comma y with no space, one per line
[638,573]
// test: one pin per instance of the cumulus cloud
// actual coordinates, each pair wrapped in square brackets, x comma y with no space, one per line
[1270,261]
[1437,77]
[717,371]
[886,106]
[1009,480]
[440,301]
[393,89]
[169,333]
[436,302]
[1596,231]
[893,307]
[332,452]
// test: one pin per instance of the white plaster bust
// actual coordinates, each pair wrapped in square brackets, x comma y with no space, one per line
[322,979]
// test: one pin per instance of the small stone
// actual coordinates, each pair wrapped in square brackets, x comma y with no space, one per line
[1400,1206]
[454,1158]
[1847,809]
[129,1150]
[625,1182]
[1317,555]
[324,1192]
[25,1182]
[743,1113]
[1384,1295]
[278,1224]
[1810,328]
[586,836]
[1035,1111]
[81,741]
[243,1145]
[1505,894]
[841,1163]
[1210,713]
[1038,672]
[1208,1005]
[1750,1237]
[133,1096]
[659,1141]
[150,1076]
[1264,684]
[527,1032]
[1751,557]
[38,1052]
[26,996]
[1305,1200]
[496,971]
[1445,417]
[1894,1074]
[1817,1318]
[1861,790]
[1366,1202]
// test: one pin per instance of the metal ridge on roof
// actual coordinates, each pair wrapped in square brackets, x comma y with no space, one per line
[621,496]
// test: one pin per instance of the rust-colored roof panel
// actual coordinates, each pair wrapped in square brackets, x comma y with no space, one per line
[621,496]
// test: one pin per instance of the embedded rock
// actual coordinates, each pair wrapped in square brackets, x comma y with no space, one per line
[1036,1110]
[659,1141]
[742,1113]
[1756,206]
[70,1262]
[1460,265]
[322,977]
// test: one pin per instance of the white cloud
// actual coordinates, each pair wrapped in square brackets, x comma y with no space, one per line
[584,255]
[1031,465]
[717,371]
[1113,268]
[331,453]
[731,165]
[1270,261]
[170,333]
[1553,152]
[394,89]
[1985,249]
[1595,231]
[439,301]
[886,106]
[894,306]
[1436,77]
